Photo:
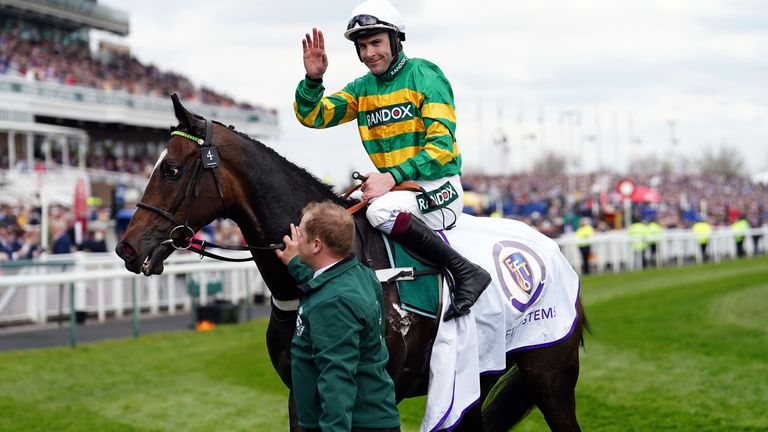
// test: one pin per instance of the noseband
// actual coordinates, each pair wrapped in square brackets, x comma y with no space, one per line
[209,160]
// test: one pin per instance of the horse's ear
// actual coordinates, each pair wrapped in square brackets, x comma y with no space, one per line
[187,120]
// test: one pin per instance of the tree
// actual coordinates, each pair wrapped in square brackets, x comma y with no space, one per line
[726,161]
[650,164]
[549,164]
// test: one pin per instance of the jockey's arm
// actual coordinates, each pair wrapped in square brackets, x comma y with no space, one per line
[435,160]
[316,111]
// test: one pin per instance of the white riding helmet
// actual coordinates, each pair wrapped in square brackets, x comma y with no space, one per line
[375,16]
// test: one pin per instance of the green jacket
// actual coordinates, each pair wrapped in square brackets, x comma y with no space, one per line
[338,354]
[406,118]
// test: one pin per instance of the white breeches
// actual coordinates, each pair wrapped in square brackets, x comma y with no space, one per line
[383,210]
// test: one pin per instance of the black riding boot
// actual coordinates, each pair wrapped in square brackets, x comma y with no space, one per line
[469,279]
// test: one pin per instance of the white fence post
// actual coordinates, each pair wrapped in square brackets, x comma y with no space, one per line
[170,282]
[154,295]
[117,297]
[101,302]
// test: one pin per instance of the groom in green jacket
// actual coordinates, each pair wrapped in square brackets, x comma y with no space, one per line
[338,353]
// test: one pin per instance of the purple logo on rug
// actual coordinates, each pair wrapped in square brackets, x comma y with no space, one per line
[521,273]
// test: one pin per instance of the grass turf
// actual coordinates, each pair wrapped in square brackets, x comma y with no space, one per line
[671,350]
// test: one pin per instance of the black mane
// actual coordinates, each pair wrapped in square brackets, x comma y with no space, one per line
[289,165]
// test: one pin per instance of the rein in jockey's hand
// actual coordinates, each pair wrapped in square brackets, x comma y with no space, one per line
[315,59]
[291,246]
[377,184]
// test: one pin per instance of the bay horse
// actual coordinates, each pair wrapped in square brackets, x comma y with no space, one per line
[226,174]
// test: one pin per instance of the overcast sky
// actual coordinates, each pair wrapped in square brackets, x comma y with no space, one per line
[609,80]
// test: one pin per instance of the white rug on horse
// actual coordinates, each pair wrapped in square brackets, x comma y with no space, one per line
[531,303]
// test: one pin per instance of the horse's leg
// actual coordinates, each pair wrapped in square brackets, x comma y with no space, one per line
[509,401]
[550,374]
[293,421]
[280,330]
[282,325]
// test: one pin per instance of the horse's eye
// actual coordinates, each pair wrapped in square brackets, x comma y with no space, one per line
[170,170]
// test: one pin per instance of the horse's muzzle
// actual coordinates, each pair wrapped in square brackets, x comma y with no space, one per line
[127,253]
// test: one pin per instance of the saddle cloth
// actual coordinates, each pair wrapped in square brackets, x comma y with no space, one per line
[419,292]
[531,303]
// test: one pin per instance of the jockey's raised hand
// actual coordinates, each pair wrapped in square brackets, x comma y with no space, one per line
[315,60]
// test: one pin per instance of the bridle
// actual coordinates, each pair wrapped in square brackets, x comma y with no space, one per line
[209,160]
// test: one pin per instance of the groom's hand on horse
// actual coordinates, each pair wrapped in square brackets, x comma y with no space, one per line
[315,60]
[377,184]
[291,246]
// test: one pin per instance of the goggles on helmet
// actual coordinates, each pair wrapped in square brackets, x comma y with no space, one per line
[367,20]
[367,24]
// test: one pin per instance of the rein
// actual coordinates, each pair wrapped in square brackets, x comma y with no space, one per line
[404,186]
[209,152]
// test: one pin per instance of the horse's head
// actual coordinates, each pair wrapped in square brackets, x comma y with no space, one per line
[183,194]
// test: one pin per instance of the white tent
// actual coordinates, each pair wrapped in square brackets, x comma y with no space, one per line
[760,177]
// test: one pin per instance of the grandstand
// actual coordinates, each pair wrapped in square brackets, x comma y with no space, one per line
[69,112]
[62,105]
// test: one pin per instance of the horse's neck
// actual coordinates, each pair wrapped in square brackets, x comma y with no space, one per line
[275,191]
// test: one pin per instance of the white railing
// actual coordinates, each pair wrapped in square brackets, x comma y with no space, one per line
[59,100]
[37,291]
[88,8]
[612,251]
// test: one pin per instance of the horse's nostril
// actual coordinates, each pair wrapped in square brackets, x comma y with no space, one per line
[125,250]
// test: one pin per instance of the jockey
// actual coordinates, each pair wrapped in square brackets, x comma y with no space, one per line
[406,119]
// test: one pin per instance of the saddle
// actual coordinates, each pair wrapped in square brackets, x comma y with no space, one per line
[417,279]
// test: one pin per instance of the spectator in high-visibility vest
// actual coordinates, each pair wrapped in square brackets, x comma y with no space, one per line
[655,232]
[703,230]
[740,229]
[584,236]
[638,233]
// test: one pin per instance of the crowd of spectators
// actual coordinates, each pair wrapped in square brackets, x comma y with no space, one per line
[138,165]
[20,230]
[19,233]
[555,204]
[43,55]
